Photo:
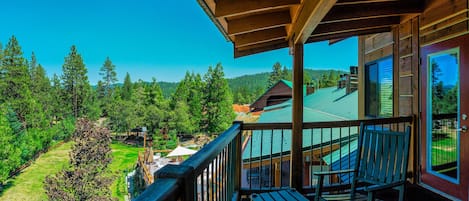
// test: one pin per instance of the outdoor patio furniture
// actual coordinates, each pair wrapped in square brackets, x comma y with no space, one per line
[381,164]
[282,195]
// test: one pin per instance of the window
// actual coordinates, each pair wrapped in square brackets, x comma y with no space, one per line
[378,88]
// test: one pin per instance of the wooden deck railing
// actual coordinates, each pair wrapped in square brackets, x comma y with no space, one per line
[147,176]
[224,170]
[213,173]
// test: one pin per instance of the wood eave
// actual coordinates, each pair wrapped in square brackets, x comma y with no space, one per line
[264,25]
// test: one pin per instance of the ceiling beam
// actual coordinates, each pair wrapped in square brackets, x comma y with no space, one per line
[311,13]
[258,48]
[260,36]
[258,22]
[336,40]
[330,28]
[228,8]
[371,10]
[348,2]
[315,38]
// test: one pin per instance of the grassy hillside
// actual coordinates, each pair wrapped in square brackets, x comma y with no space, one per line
[29,184]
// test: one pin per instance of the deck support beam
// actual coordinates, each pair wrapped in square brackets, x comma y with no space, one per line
[296,162]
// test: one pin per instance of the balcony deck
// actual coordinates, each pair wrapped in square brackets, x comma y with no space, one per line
[254,158]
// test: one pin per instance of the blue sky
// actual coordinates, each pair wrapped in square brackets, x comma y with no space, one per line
[147,38]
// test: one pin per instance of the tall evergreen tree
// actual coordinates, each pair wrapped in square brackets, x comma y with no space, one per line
[195,101]
[58,108]
[16,79]
[109,77]
[126,92]
[285,74]
[108,71]
[182,90]
[40,87]
[155,106]
[218,101]
[275,75]
[9,153]
[75,83]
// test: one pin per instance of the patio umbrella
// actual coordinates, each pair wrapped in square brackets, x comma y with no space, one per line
[181,151]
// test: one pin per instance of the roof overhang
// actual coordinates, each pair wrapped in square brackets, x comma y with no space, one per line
[255,26]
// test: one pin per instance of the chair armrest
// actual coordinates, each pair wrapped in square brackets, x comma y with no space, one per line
[321,180]
[373,188]
[333,172]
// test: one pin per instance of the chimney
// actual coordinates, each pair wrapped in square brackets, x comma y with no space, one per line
[309,88]
[352,80]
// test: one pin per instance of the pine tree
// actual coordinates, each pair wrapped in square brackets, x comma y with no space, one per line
[275,75]
[218,101]
[180,120]
[75,83]
[2,73]
[87,176]
[16,79]
[183,91]
[109,77]
[285,74]
[41,114]
[58,108]
[126,92]
[155,106]
[108,71]
[10,153]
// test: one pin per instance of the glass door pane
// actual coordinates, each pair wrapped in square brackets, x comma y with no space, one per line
[443,107]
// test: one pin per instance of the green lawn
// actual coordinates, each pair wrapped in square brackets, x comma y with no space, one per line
[29,184]
[124,159]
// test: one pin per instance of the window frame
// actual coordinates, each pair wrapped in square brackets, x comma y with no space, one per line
[375,112]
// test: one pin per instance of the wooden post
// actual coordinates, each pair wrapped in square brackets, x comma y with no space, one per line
[278,174]
[296,161]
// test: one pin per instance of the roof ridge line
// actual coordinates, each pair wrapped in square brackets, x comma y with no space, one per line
[326,113]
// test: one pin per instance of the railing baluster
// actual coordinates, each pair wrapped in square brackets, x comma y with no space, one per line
[311,157]
[260,160]
[207,182]
[320,153]
[250,162]
[271,149]
[281,158]
[340,151]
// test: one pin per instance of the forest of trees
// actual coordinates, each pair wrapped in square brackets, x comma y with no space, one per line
[37,111]
[246,89]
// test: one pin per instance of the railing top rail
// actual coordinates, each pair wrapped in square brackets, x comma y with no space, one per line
[327,124]
[162,189]
[200,160]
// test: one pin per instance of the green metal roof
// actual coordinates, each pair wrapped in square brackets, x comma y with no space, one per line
[288,83]
[330,100]
[327,104]
[340,153]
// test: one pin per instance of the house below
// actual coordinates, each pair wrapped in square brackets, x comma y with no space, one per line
[278,93]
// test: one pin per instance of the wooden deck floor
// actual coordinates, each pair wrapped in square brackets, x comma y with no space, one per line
[413,192]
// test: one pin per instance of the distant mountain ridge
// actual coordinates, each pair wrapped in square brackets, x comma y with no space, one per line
[252,83]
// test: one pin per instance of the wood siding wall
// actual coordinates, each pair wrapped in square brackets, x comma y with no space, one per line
[441,20]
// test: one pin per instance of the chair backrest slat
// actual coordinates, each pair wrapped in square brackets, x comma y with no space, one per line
[382,155]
